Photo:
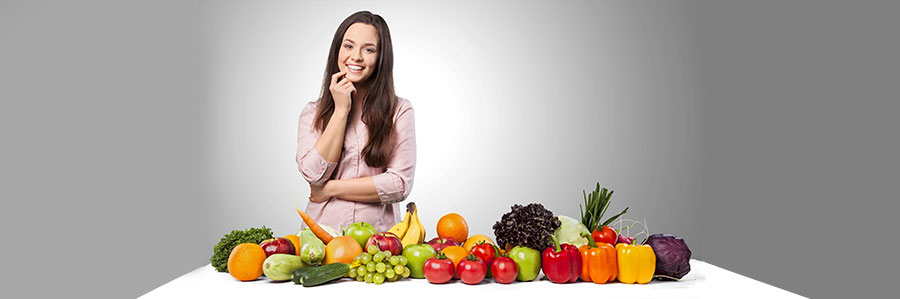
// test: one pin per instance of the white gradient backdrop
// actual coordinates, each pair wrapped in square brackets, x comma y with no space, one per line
[515,103]
[137,133]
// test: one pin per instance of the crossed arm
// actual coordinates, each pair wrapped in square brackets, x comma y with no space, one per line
[317,159]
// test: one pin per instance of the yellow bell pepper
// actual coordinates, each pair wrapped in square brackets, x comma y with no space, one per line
[637,263]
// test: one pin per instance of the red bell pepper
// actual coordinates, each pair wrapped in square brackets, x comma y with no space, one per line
[576,260]
[558,264]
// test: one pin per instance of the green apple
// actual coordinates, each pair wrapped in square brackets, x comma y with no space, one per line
[360,232]
[417,254]
[528,261]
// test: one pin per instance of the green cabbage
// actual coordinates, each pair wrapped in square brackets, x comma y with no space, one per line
[570,230]
[331,231]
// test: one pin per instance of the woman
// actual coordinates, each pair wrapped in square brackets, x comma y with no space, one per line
[357,143]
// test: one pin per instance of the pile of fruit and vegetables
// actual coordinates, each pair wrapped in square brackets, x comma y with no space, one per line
[530,240]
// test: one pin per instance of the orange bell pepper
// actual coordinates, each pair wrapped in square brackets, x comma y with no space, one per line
[636,263]
[598,262]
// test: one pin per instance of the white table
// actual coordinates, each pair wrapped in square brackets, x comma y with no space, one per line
[704,281]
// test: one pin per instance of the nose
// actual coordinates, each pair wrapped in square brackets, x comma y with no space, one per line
[356,56]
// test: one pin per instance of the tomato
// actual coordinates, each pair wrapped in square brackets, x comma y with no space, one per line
[486,252]
[438,269]
[504,269]
[605,234]
[471,270]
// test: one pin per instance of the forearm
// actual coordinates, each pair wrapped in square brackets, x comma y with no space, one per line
[358,189]
[331,143]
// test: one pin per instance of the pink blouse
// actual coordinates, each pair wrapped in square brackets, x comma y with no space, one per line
[393,182]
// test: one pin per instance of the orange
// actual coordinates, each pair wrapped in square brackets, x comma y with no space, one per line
[342,250]
[453,226]
[474,240]
[296,240]
[246,261]
[455,253]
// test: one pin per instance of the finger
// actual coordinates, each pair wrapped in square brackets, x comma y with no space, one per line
[343,82]
[336,76]
[349,88]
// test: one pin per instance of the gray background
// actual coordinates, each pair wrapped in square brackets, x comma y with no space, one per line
[137,133]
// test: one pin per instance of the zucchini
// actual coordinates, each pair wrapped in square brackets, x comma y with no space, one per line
[313,250]
[318,275]
[279,266]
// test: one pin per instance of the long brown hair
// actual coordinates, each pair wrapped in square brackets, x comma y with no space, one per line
[380,101]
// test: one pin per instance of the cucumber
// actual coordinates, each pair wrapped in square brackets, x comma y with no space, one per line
[322,274]
[295,277]
[279,266]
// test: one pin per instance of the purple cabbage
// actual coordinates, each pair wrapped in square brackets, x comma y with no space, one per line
[673,257]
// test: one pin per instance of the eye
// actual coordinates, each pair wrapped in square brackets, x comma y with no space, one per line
[370,50]
[348,46]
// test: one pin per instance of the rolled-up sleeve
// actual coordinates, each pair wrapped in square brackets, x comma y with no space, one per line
[395,184]
[314,168]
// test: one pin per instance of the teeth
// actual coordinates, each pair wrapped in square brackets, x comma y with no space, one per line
[354,67]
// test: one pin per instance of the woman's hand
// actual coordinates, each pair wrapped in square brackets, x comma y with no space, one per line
[317,193]
[341,91]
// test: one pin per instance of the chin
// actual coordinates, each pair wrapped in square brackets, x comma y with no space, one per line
[357,79]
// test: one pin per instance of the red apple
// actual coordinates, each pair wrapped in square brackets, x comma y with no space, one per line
[386,241]
[278,245]
[440,243]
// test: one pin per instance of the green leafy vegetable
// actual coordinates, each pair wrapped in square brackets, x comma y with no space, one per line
[221,251]
[595,206]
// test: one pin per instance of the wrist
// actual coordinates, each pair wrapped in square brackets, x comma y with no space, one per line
[341,111]
[329,189]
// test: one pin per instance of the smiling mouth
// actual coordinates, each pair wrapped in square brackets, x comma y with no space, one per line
[355,68]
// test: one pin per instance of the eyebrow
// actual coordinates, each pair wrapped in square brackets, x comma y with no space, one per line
[352,42]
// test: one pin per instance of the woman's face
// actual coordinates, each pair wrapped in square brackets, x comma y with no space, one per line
[359,52]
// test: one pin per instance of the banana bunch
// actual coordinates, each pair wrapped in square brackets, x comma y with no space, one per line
[410,230]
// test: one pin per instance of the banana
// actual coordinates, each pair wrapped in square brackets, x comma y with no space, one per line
[415,234]
[400,228]
[421,230]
